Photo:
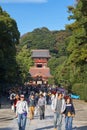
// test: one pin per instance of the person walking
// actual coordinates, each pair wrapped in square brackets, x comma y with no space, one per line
[69,113]
[41,104]
[21,112]
[32,105]
[58,108]
[62,111]
[15,101]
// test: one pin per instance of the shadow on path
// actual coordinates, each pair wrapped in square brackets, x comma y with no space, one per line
[5,102]
[49,127]
[7,128]
[82,128]
[6,118]
[49,117]
[45,128]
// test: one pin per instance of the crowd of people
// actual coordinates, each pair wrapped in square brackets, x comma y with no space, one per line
[27,106]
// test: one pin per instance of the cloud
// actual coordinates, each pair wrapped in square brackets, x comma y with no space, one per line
[23,1]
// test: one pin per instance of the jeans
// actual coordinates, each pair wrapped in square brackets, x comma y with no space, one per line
[63,122]
[57,120]
[42,112]
[68,121]
[22,121]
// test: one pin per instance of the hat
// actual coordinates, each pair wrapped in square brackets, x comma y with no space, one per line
[22,95]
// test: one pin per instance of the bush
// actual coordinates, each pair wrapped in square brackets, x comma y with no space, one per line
[85,93]
[80,89]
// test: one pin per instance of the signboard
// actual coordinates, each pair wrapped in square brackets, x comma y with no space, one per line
[39,82]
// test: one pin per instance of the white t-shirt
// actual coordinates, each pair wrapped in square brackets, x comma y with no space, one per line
[21,107]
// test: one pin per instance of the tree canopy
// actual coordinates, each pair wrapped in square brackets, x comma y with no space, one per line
[9,38]
[68,48]
[74,70]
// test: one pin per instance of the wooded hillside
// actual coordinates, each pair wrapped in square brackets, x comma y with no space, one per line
[68,50]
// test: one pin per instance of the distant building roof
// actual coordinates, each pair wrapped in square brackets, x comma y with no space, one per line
[41,53]
[44,72]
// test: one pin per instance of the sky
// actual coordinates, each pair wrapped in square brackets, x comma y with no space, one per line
[32,14]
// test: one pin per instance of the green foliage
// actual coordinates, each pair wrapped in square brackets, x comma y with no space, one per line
[80,89]
[78,41]
[42,38]
[79,27]
[24,62]
[55,62]
[9,38]
[62,75]
[51,81]
[68,48]
[39,39]
[76,62]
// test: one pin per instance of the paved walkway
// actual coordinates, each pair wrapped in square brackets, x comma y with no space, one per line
[9,122]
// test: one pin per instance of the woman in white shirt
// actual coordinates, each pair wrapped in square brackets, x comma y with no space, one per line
[21,112]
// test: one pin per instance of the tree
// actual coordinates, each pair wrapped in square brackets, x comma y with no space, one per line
[77,47]
[9,38]
[24,62]
[78,41]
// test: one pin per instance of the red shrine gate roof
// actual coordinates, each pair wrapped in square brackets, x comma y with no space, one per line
[40,53]
[44,72]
